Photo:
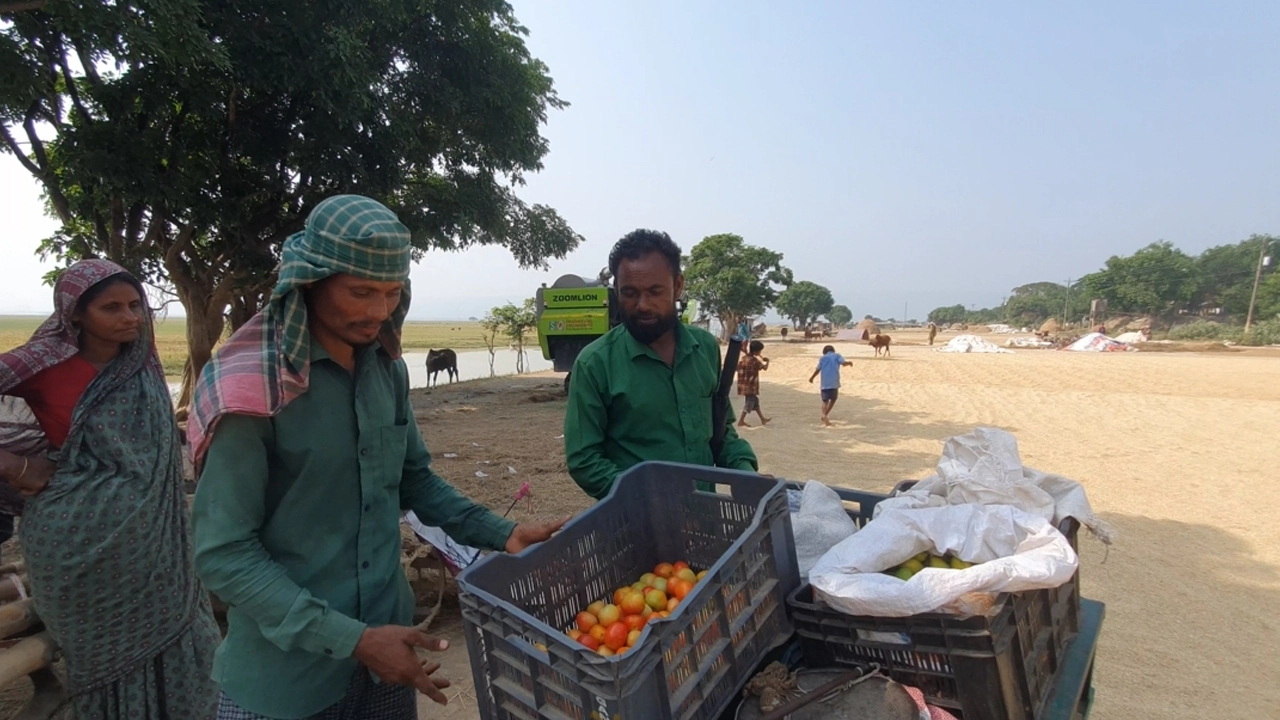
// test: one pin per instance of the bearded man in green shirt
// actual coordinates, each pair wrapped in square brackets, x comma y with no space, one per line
[309,453]
[644,390]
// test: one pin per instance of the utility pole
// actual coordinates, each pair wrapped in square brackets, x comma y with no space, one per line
[1257,277]
[1066,304]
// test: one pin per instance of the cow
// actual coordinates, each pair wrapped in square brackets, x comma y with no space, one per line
[438,360]
[877,341]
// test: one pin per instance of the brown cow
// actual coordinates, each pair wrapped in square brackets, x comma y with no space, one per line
[879,342]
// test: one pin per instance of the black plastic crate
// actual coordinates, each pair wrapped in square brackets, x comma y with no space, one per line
[998,666]
[686,667]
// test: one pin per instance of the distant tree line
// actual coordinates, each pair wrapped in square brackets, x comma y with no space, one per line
[1159,280]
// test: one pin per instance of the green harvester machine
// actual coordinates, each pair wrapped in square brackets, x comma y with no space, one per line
[574,311]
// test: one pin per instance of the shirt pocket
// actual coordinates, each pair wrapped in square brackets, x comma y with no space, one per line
[395,441]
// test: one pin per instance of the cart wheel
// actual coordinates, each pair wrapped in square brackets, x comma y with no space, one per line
[566,382]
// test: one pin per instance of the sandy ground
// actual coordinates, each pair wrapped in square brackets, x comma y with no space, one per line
[1177,450]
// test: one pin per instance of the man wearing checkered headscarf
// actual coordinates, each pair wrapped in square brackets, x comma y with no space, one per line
[308,454]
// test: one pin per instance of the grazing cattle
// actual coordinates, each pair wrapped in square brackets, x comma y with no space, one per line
[877,341]
[784,333]
[438,360]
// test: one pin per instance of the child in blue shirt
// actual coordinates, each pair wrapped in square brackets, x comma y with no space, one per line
[829,367]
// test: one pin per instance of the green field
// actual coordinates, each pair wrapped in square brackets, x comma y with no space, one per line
[172,342]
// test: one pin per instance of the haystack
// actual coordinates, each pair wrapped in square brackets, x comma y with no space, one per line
[1050,326]
[869,325]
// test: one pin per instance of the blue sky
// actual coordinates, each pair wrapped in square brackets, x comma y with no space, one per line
[917,153]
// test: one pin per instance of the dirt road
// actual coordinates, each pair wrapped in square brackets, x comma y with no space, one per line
[1177,451]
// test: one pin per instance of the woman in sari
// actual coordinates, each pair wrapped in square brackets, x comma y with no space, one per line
[105,525]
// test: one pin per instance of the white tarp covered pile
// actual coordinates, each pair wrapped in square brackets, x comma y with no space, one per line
[971,344]
[1027,342]
[1097,342]
[1131,338]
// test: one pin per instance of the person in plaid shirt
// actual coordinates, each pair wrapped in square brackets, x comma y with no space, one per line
[749,368]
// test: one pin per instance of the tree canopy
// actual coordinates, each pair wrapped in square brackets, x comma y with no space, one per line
[804,302]
[840,315]
[947,315]
[732,280]
[186,139]
[1159,279]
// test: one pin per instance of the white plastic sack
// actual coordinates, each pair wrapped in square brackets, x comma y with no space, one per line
[819,525]
[1016,551]
[456,555]
[20,432]
[985,468]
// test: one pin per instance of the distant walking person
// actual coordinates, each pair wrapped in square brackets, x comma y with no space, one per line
[749,368]
[829,368]
[933,332]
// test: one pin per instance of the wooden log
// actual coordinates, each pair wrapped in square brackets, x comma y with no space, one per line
[27,656]
[18,617]
[13,587]
[49,699]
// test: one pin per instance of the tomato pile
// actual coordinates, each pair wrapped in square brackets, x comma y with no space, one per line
[612,628]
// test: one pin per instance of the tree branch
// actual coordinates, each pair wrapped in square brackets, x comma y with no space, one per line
[115,233]
[86,62]
[70,81]
[21,6]
[133,224]
[173,261]
[37,146]
[17,152]
[43,173]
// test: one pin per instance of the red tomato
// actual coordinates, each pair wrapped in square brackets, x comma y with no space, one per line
[589,642]
[616,636]
[680,588]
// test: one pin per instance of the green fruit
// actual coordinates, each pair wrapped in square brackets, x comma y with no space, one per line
[937,562]
[958,564]
[903,573]
[913,565]
[923,557]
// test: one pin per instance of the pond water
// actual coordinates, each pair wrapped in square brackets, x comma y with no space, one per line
[472,365]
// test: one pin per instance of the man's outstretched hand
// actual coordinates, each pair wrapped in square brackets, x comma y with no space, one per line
[526,534]
[388,652]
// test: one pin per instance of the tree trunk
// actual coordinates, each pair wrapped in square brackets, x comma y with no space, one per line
[728,326]
[205,324]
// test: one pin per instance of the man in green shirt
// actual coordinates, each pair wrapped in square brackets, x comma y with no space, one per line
[644,390]
[309,453]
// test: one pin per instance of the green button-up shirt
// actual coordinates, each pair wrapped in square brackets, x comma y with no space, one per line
[627,406]
[296,524]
